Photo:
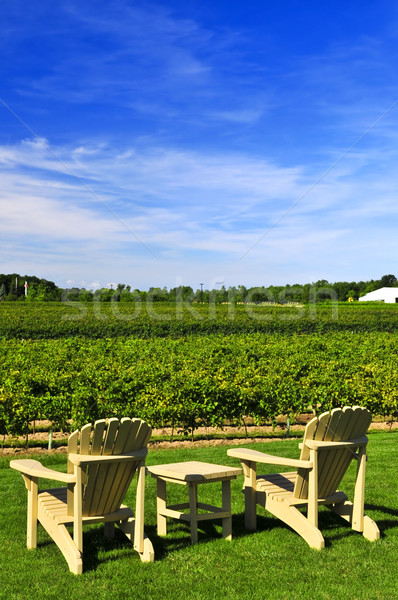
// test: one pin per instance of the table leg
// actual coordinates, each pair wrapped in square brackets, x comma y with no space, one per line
[226,506]
[193,511]
[160,506]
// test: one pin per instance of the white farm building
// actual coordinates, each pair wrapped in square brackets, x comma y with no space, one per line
[384,294]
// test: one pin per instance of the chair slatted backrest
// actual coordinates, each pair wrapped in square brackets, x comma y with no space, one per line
[104,486]
[338,425]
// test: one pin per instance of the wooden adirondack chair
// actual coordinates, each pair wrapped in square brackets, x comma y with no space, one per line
[331,441]
[102,460]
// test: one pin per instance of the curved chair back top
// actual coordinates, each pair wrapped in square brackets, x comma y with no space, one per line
[105,485]
[338,425]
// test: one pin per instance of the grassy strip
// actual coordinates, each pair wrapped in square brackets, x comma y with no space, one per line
[157,439]
[60,442]
[272,563]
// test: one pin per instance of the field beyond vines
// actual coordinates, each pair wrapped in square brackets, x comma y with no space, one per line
[186,366]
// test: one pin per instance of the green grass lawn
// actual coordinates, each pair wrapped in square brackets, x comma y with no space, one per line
[273,562]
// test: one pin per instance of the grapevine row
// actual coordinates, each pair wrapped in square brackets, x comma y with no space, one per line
[192,380]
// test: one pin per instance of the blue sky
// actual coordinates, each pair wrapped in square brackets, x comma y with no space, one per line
[185,142]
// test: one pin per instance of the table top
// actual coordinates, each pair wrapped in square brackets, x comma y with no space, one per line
[193,470]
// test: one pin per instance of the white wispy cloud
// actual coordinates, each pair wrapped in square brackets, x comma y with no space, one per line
[225,205]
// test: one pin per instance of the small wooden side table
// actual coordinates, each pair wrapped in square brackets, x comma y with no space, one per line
[193,473]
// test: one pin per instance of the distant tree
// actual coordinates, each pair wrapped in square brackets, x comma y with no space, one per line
[182,293]
[14,286]
[294,293]
[276,293]
[259,294]
[11,296]
[2,292]
[202,295]
[221,295]
[156,294]
[232,294]
[41,293]
[371,286]
[322,283]
[388,281]
[106,294]
[361,287]
[85,295]
[126,295]
[352,295]
[322,291]
[342,288]
[70,294]
[241,293]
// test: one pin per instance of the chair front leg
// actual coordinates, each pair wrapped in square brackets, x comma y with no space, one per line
[312,511]
[250,482]
[31,530]
[77,510]
[139,510]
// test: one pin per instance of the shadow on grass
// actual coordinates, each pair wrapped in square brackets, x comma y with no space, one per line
[98,549]
[179,537]
[384,523]
[331,525]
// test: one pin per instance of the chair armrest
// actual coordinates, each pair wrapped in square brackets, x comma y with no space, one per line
[246,454]
[355,443]
[32,468]
[85,459]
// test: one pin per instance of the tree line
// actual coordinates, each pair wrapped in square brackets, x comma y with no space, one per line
[27,288]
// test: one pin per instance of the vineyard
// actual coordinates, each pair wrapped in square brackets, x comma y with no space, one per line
[188,366]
